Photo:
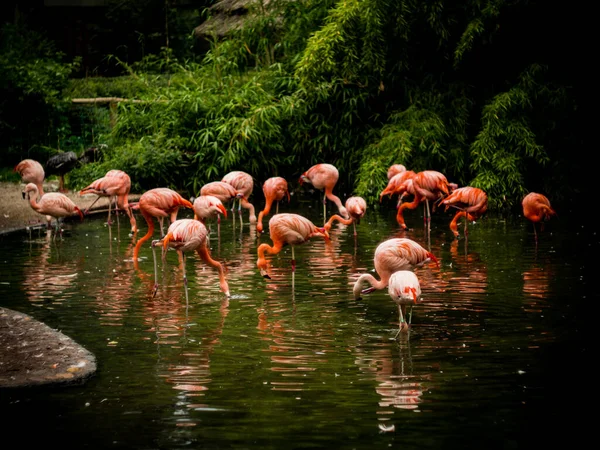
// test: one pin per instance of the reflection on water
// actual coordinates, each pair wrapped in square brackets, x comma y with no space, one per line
[494,320]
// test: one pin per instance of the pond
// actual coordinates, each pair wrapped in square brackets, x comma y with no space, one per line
[496,355]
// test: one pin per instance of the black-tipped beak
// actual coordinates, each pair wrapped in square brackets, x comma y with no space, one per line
[23,194]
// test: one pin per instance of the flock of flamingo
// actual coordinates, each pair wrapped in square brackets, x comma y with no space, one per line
[394,259]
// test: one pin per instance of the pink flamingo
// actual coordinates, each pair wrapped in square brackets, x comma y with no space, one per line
[404,288]
[186,235]
[115,185]
[325,176]
[275,189]
[223,191]
[159,203]
[51,204]
[471,203]
[537,209]
[32,171]
[291,229]
[391,256]
[356,207]
[242,182]
[395,169]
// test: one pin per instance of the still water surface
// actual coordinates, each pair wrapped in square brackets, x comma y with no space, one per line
[494,357]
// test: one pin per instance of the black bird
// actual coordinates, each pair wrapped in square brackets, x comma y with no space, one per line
[61,164]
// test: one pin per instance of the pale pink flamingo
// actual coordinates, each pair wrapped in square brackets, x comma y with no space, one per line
[395,169]
[115,185]
[159,203]
[223,191]
[324,177]
[404,288]
[275,189]
[537,209]
[51,204]
[356,207]
[242,182]
[208,207]
[471,203]
[286,228]
[391,256]
[32,171]
[187,235]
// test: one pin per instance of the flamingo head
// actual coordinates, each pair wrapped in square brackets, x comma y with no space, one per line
[221,209]
[302,179]
[432,257]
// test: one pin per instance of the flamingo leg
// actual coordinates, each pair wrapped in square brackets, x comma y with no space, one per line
[185,281]
[293,260]
[109,205]
[325,208]
[155,288]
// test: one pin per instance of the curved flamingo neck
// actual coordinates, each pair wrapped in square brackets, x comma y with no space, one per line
[145,237]
[368,278]
[340,219]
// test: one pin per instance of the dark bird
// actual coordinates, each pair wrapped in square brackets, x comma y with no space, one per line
[61,164]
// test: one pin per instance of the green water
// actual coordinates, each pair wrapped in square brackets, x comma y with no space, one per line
[494,358]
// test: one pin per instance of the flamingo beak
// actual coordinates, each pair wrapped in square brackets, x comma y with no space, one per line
[434,259]
[23,194]
[222,209]
[325,232]
[301,180]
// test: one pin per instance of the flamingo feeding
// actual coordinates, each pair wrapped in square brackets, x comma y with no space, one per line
[324,177]
[275,189]
[187,235]
[356,207]
[243,183]
[32,171]
[51,204]
[391,256]
[159,203]
[290,229]
[537,209]
[471,203]
[115,185]
[208,207]
[404,288]
[223,191]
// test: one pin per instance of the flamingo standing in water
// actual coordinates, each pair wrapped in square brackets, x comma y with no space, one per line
[208,207]
[471,203]
[325,177]
[391,256]
[290,229]
[186,235]
[356,207]
[537,209]
[159,203]
[395,169]
[275,189]
[32,171]
[51,204]
[115,185]
[223,191]
[242,182]
[404,288]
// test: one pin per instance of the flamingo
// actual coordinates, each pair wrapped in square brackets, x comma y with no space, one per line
[208,206]
[395,169]
[116,184]
[404,288]
[390,256]
[397,184]
[325,176]
[537,209]
[32,171]
[286,228]
[185,235]
[428,185]
[274,188]
[223,191]
[51,204]
[159,203]
[471,203]
[242,182]
[356,207]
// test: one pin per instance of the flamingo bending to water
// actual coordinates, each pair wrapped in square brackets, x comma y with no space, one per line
[324,177]
[356,207]
[243,183]
[537,209]
[275,189]
[471,203]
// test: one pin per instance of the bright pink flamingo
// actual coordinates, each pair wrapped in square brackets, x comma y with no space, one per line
[291,229]
[187,235]
[115,185]
[356,207]
[404,288]
[325,177]
[391,256]
[242,182]
[471,203]
[223,191]
[395,169]
[537,209]
[51,204]
[275,189]
[159,203]
[32,171]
